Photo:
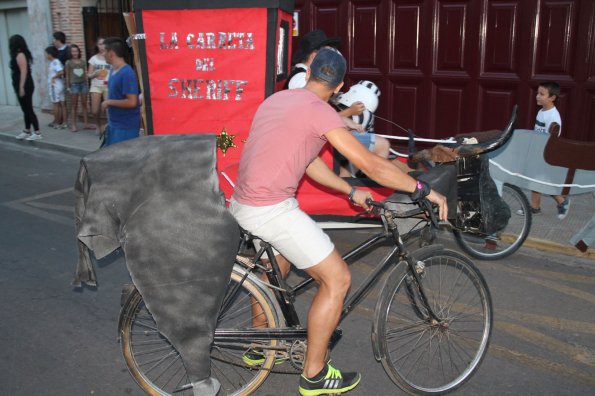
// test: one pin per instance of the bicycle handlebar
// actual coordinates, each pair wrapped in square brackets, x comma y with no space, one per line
[425,206]
[376,204]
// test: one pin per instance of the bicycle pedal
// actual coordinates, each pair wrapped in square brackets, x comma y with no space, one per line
[445,225]
[182,388]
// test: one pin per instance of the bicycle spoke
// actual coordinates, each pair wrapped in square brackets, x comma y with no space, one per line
[492,246]
[158,367]
[430,355]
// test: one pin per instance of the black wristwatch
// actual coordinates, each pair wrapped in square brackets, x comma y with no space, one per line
[422,189]
[350,195]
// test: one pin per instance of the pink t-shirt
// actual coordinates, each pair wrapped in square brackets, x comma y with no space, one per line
[287,134]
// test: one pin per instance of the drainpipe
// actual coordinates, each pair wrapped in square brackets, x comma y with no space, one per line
[40,28]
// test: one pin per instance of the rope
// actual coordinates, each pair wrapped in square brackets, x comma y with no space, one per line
[449,140]
[539,181]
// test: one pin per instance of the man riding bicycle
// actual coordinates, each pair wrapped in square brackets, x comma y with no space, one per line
[282,145]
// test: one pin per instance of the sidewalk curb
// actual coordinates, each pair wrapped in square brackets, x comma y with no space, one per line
[45,145]
[549,246]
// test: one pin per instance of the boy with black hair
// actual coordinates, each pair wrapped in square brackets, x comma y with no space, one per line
[63,48]
[548,116]
[123,113]
[59,41]
[56,89]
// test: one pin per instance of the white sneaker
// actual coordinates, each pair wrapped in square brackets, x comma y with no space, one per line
[563,209]
[34,136]
[520,212]
[23,135]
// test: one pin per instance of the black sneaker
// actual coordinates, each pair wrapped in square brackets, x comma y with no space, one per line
[333,382]
[520,212]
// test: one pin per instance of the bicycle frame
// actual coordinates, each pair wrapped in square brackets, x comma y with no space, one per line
[285,294]
[258,314]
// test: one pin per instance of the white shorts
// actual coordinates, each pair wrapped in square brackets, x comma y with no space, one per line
[291,232]
[100,89]
[56,92]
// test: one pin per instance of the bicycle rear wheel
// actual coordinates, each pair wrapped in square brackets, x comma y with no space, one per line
[506,241]
[421,355]
[157,366]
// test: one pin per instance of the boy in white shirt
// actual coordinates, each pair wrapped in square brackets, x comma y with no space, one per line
[547,94]
[56,87]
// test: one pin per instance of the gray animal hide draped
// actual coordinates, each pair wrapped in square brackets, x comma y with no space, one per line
[158,198]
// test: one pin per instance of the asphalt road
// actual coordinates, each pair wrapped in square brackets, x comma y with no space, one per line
[55,340]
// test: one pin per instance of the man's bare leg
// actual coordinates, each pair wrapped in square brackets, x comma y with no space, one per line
[258,318]
[381,147]
[535,200]
[334,279]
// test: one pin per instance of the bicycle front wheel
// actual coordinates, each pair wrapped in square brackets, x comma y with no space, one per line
[506,241]
[420,354]
[157,366]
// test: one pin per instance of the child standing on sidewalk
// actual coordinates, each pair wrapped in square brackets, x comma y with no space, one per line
[547,94]
[76,81]
[98,72]
[56,87]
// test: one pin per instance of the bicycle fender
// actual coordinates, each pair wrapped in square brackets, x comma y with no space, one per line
[392,279]
[129,292]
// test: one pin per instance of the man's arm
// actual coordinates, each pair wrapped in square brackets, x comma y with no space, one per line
[356,108]
[322,174]
[379,169]
[349,123]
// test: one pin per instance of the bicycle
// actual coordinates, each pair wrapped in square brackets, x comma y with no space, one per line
[431,329]
[471,227]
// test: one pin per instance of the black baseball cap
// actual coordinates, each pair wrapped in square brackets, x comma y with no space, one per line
[328,65]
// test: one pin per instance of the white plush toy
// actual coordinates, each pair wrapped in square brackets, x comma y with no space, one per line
[366,92]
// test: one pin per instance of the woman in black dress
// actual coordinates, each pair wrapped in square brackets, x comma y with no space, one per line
[22,82]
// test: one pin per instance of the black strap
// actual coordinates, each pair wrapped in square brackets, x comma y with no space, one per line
[294,71]
[422,192]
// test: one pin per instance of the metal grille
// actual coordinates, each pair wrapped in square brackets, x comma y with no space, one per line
[105,20]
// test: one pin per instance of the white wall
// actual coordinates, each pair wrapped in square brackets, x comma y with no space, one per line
[41,37]
[30,19]
[12,21]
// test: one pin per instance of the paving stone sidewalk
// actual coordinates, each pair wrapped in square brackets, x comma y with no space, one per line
[79,143]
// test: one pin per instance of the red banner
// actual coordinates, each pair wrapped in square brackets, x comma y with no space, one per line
[207,74]
[206,69]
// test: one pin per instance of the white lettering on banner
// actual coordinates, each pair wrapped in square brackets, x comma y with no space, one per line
[210,40]
[207,89]
[205,64]
[197,89]
[173,41]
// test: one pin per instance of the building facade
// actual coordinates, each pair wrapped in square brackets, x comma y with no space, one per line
[451,66]
[82,21]
[443,66]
